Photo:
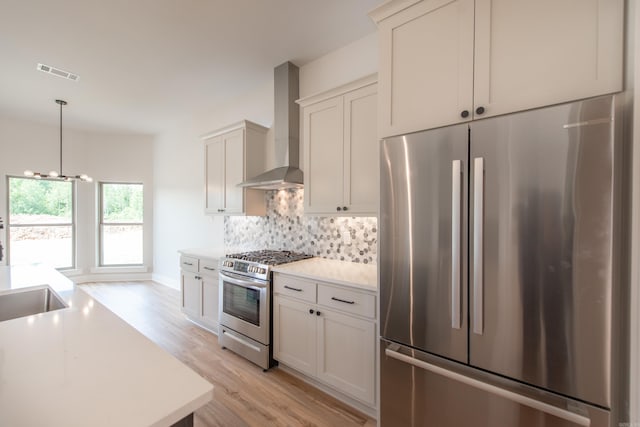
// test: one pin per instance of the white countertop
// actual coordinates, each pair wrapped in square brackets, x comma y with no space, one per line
[84,366]
[211,254]
[357,275]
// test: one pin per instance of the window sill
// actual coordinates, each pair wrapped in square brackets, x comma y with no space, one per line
[70,272]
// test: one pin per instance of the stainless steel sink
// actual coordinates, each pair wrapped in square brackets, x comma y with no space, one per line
[28,302]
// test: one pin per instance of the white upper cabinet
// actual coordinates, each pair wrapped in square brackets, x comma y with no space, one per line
[340,147]
[232,155]
[450,61]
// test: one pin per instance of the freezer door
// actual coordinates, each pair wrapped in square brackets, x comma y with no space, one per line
[420,390]
[541,242]
[422,234]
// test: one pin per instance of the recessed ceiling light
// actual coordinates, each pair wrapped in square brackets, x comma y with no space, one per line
[58,72]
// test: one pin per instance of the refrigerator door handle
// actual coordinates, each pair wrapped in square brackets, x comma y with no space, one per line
[489,388]
[478,238]
[456,188]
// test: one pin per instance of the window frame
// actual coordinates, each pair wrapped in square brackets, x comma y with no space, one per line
[73,223]
[101,224]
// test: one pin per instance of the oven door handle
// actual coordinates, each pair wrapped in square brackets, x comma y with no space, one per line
[245,283]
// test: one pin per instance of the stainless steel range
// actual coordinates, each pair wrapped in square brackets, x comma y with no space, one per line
[245,295]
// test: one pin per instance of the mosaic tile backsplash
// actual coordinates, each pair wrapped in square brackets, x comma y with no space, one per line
[286,227]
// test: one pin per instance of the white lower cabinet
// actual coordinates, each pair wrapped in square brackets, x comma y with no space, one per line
[346,348]
[191,290]
[294,334]
[336,347]
[199,286]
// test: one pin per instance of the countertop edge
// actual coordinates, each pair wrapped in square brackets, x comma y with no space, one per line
[208,254]
[297,269]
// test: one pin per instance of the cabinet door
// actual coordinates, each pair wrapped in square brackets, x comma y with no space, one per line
[234,171]
[535,53]
[361,151]
[346,354]
[426,66]
[323,147]
[210,300]
[294,334]
[214,175]
[191,294]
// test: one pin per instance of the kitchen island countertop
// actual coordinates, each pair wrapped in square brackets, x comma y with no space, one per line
[84,366]
[356,275]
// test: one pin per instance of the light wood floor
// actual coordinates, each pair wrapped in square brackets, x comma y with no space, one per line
[243,394]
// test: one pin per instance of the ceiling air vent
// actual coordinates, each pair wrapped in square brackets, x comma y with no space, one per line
[58,72]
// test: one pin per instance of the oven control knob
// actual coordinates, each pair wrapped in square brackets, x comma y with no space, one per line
[228,263]
[262,270]
[251,269]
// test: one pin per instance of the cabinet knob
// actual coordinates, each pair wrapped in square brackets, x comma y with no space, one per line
[310,311]
[344,208]
[318,313]
[338,208]
[464,114]
[480,110]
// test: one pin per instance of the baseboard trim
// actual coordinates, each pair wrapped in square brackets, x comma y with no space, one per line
[166,281]
[111,277]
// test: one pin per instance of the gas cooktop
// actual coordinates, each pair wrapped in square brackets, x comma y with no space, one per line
[257,264]
[270,257]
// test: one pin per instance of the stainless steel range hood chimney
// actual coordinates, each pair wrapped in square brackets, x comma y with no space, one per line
[287,130]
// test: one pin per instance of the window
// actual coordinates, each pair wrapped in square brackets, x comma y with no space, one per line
[120,224]
[41,222]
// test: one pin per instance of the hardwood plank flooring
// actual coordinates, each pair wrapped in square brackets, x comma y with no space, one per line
[243,395]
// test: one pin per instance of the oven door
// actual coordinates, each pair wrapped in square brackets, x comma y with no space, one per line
[245,306]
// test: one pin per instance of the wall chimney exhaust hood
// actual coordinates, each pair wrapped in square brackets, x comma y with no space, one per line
[286,124]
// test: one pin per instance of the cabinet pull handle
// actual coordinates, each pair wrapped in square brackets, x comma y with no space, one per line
[480,110]
[209,268]
[464,114]
[338,208]
[344,208]
[293,289]
[197,277]
[318,313]
[343,300]
[187,263]
[310,311]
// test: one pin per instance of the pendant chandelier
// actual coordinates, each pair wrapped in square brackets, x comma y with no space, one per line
[58,174]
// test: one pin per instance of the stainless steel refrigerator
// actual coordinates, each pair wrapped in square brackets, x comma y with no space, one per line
[497,242]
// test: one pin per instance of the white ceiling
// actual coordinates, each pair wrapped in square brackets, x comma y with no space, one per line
[144,64]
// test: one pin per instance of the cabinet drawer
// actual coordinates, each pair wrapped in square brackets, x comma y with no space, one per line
[188,263]
[347,300]
[208,266]
[295,287]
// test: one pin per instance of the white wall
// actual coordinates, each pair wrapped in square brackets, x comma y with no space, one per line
[103,156]
[178,163]
[344,65]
